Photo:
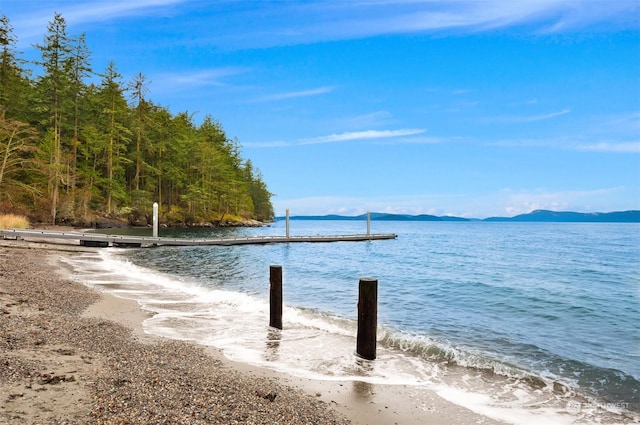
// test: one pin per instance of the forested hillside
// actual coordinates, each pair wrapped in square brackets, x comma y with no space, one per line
[78,143]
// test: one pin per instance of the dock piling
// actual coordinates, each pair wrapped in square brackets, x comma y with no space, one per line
[367,318]
[287,224]
[275,297]
[155,219]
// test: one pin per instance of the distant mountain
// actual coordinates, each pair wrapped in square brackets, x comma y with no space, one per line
[534,216]
[573,217]
[377,217]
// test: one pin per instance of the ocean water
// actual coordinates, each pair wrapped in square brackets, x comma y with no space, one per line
[522,322]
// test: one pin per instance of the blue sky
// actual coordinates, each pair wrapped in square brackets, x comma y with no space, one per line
[460,107]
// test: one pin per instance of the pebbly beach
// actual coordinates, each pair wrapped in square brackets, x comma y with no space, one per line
[72,355]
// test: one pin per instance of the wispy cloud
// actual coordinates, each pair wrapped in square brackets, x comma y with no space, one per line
[533,101]
[513,119]
[91,11]
[170,82]
[372,119]
[528,142]
[575,143]
[383,137]
[610,132]
[35,21]
[625,147]
[418,140]
[295,94]
[329,20]
[625,122]
[321,20]
[362,135]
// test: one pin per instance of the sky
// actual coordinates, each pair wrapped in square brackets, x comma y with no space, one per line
[471,108]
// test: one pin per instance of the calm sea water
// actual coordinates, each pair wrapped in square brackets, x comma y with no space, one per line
[524,322]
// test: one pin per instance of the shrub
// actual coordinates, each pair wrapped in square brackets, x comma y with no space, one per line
[13,221]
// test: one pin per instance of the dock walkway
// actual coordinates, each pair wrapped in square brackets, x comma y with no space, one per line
[103,240]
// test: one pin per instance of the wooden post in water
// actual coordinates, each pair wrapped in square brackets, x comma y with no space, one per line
[367,318]
[275,296]
[368,223]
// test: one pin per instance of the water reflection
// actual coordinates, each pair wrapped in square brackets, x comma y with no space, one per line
[364,367]
[363,390]
[272,353]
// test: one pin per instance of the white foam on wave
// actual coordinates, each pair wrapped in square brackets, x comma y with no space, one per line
[522,412]
[312,345]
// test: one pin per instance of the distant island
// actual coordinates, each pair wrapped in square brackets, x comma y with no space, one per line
[544,216]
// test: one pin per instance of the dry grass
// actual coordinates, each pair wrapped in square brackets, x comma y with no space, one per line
[12,221]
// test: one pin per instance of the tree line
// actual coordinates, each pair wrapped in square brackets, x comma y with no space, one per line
[71,149]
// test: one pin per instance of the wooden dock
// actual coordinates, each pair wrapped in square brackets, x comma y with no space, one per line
[91,239]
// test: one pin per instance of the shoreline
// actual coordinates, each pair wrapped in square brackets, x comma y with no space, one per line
[362,403]
[72,355]
[330,401]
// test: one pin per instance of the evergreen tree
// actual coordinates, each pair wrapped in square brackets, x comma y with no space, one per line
[80,70]
[139,89]
[54,88]
[116,135]
[90,157]
[13,83]
[260,195]
[160,135]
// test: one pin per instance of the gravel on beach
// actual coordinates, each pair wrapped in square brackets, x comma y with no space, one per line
[58,367]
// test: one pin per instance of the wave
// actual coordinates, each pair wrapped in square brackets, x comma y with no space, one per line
[557,374]
[319,345]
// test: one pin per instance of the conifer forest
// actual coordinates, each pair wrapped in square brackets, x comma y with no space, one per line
[78,143]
